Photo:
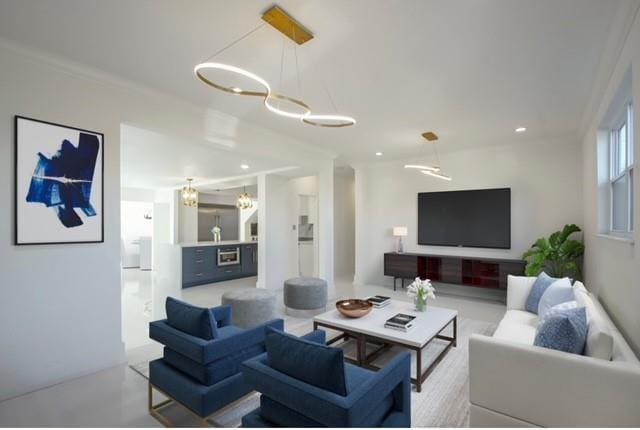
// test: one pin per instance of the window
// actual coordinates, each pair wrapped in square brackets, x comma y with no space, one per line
[621,174]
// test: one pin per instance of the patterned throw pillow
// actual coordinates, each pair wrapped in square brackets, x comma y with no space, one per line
[563,328]
[537,290]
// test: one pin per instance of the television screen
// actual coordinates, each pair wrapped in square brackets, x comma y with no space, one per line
[476,218]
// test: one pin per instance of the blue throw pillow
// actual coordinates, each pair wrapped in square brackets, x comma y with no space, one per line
[537,290]
[307,361]
[563,328]
[558,292]
[190,319]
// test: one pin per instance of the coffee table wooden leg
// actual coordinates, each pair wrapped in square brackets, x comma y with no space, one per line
[362,350]
[419,370]
[455,331]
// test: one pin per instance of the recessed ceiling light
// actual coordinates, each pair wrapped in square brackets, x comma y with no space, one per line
[244,166]
[379,154]
[521,129]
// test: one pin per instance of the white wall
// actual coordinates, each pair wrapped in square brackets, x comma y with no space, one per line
[546,193]
[612,266]
[62,302]
[344,222]
[137,195]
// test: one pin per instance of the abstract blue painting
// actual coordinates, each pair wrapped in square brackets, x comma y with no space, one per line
[63,182]
[58,183]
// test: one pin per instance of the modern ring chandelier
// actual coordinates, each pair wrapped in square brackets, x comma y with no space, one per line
[434,171]
[278,104]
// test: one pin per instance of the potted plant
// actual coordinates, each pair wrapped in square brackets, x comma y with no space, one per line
[558,255]
[421,290]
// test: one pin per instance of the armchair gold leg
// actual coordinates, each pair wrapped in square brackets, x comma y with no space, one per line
[154,409]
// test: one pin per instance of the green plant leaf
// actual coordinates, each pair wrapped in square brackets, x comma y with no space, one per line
[555,239]
[557,255]
[567,231]
[572,249]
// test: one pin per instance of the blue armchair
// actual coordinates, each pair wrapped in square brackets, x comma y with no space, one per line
[370,399]
[200,368]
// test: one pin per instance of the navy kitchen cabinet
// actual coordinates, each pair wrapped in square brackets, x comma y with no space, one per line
[250,259]
[200,264]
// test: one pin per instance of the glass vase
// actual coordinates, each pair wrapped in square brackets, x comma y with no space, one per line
[420,303]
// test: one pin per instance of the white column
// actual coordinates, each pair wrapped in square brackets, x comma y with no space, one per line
[361,251]
[325,226]
[274,208]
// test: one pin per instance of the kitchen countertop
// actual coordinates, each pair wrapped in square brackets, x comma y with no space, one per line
[221,243]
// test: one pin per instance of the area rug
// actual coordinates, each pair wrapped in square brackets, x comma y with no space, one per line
[443,402]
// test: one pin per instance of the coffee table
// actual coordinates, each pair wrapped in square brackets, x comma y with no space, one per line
[370,329]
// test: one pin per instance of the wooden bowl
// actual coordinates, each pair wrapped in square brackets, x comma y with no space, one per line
[354,308]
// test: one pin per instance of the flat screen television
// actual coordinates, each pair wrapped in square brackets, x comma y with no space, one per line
[475,218]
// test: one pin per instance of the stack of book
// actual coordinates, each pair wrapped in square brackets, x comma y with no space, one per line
[379,301]
[402,322]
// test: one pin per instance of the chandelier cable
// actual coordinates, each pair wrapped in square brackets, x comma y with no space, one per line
[247,34]
[281,69]
[324,85]
[295,53]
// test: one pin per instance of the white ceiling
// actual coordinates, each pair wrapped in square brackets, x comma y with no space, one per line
[470,70]
[152,160]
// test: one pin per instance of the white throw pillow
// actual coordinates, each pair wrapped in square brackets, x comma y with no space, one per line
[599,339]
[518,288]
[579,287]
[560,291]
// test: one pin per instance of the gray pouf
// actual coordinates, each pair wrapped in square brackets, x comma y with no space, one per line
[305,294]
[250,307]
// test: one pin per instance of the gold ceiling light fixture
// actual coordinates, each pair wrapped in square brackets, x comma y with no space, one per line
[189,195]
[434,171]
[244,200]
[276,103]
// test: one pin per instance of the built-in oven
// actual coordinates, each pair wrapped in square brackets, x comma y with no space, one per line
[228,256]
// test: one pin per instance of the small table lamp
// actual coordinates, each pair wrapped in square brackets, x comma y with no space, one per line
[399,232]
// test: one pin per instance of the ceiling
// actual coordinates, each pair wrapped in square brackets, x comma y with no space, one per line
[152,160]
[470,70]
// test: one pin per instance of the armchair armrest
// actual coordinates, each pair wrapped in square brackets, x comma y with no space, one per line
[323,406]
[222,315]
[222,347]
[551,388]
[206,351]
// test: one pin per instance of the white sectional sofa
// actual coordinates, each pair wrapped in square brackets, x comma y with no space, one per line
[516,384]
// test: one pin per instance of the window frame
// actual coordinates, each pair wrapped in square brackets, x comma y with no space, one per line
[626,119]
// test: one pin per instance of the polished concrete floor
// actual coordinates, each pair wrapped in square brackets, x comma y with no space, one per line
[117,397]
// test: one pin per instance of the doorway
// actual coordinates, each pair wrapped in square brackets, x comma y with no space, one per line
[307,235]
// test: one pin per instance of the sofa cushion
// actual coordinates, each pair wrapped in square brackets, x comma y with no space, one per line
[310,362]
[521,317]
[518,289]
[540,285]
[517,326]
[560,291]
[191,319]
[599,339]
[563,328]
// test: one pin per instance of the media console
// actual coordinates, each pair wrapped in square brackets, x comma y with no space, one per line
[470,271]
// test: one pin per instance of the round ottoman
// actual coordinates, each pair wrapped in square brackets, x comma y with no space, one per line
[250,307]
[305,294]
